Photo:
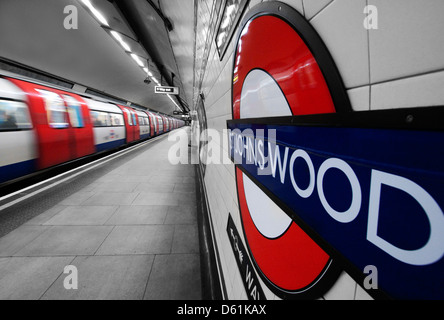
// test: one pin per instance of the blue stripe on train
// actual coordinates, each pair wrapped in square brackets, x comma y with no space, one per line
[109,145]
[144,136]
[17,170]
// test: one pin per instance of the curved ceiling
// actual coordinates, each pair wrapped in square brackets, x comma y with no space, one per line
[32,33]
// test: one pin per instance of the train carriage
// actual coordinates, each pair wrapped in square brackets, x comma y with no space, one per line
[17,138]
[144,125]
[131,123]
[42,127]
[60,122]
[109,125]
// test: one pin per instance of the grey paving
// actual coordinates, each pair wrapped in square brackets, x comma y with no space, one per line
[181,215]
[17,240]
[82,216]
[66,241]
[28,278]
[110,199]
[105,278]
[173,277]
[131,233]
[124,240]
[186,239]
[139,215]
[165,199]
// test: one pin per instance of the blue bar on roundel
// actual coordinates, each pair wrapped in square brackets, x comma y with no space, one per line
[375,196]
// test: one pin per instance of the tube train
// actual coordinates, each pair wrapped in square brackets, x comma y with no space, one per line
[42,127]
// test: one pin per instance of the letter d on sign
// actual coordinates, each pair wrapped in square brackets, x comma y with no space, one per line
[433,250]
[71,282]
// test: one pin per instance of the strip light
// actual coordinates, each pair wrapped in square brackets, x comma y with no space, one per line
[137,59]
[174,102]
[118,37]
[95,12]
[124,45]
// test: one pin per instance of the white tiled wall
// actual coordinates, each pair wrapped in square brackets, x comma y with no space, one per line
[340,25]
[408,41]
[399,65]
[311,8]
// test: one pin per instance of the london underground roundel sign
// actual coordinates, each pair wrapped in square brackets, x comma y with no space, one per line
[276,74]
[322,188]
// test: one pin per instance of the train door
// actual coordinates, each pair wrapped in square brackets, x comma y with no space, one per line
[158,124]
[153,124]
[82,137]
[136,124]
[129,125]
[144,125]
[150,124]
[57,139]
[161,124]
[165,124]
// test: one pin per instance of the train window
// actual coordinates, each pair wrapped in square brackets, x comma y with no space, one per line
[143,121]
[134,118]
[100,119]
[75,112]
[14,115]
[116,120]
[55,109]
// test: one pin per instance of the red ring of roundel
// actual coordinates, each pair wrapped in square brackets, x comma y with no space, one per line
[293,263]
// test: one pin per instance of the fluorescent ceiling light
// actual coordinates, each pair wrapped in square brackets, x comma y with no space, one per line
[174,103]
[118,37]
[148,72]
[95,12]
[137,59]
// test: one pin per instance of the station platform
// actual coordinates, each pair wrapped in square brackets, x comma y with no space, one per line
[128,225]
